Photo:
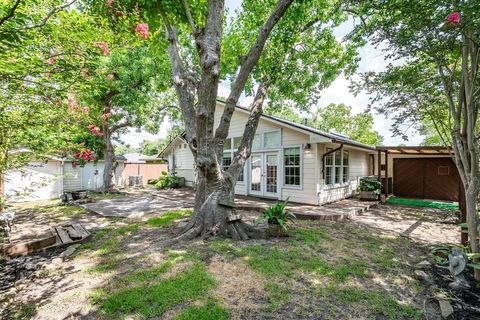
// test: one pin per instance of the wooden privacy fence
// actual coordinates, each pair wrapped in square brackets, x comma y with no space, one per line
[147,170]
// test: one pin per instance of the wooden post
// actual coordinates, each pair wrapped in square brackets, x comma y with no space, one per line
[379,169]
[386,174]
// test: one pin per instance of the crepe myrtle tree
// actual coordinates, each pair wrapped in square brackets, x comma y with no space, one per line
[123,92]
[439,42]
[41,54]
[284,49]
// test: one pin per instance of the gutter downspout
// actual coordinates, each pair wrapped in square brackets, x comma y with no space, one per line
[326,154]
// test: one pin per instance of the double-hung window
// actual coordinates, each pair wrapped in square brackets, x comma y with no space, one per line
[229,152]
[292,167]
[336,167]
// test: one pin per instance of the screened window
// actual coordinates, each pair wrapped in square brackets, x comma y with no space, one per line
[271,139]
[227,160]
[291,164]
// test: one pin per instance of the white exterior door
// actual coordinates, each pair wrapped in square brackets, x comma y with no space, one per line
[264,174]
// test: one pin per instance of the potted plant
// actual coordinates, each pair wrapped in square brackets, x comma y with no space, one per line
[369,188]
[277,218]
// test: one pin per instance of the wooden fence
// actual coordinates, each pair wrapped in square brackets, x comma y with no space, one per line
[147,170]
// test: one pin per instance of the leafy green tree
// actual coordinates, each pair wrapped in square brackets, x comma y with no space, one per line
[123,91]
[122,149]
[283,49]
[439,42]
[339,118]
[39,61]
[152,147]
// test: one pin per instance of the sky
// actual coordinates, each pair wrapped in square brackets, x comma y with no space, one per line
[372,59]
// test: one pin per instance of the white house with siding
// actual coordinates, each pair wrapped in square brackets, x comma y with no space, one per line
[288,160]
[48,179]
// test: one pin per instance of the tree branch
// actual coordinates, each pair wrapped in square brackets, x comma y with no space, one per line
[49,14]
[184,86]
[192,24]
[120,126]
[11,13]
[247,66]
[245,148]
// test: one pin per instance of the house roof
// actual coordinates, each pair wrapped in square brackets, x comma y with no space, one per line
[180,138]
[333,137]
[419,150]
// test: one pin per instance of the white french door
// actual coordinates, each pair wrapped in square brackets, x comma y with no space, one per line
[264,174]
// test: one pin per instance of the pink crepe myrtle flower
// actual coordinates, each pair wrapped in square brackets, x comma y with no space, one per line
[51,60]
[86,109]
[454,18]
[109,3]
[103,46]
[91,126]
[142,29]
[110,76]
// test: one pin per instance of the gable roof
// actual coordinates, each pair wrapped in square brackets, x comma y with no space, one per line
[332,137]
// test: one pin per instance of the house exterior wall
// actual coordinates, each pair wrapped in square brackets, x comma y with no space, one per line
[311,190]
[38,180]
[182,158]
[359,167]
[89,177]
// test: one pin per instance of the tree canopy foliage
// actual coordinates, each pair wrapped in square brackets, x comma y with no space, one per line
[438,84]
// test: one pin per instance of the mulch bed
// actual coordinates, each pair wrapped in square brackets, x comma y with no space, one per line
[466,304]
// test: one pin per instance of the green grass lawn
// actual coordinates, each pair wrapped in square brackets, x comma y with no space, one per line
[333,269]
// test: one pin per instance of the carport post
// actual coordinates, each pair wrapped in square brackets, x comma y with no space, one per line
[379,169]
[386,174]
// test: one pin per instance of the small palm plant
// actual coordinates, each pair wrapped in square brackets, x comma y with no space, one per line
[278,216]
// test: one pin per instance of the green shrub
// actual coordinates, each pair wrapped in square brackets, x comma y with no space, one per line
[277,215]
[370,184]
[166,180]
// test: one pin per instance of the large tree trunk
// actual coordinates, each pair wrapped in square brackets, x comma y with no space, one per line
[214,202]
[109,156]
[214,212]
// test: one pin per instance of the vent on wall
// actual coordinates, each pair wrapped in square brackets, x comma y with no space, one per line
[443,170]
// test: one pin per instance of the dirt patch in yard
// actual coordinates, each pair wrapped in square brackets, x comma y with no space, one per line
[239,289]
[354,269]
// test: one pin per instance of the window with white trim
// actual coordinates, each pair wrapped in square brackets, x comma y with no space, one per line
[271,139]
[226,160]
[346,168]
[257,143]
[336,167]
[229,152]
[291,166]
[329,167]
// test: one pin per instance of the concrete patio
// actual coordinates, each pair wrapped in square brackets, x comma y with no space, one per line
[155,201]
